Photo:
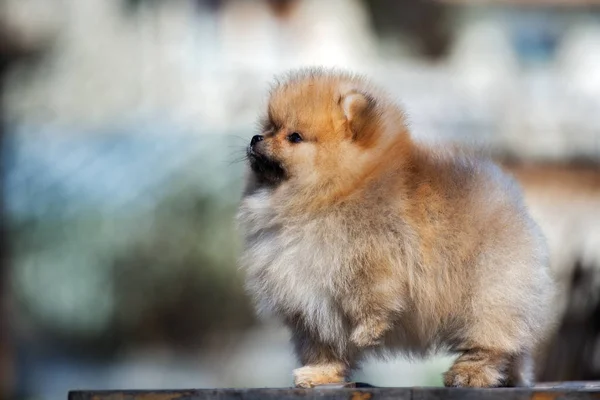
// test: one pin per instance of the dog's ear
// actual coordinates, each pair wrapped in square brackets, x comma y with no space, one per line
[360,110]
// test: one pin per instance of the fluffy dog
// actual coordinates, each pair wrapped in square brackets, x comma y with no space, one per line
[364,241]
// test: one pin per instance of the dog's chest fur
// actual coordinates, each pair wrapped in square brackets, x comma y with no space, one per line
[302,267]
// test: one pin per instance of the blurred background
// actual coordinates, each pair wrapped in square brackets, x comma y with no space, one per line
[124,124]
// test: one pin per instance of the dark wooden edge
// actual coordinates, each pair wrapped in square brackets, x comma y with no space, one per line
[345,393]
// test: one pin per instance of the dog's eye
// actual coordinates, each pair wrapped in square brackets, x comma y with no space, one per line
[294,137]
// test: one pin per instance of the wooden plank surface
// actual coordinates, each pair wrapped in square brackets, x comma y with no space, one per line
[549,391]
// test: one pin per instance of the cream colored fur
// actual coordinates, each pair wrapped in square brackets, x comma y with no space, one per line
[430,250]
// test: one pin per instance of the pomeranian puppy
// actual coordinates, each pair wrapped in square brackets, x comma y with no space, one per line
[363,241]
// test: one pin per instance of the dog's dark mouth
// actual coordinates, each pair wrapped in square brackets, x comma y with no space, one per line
[265,168]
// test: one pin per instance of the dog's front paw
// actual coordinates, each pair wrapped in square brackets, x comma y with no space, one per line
[314,375]
[368,335]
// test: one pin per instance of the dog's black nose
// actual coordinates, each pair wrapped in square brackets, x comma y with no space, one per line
[256,139]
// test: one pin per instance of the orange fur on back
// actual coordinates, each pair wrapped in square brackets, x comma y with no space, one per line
[364,241]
